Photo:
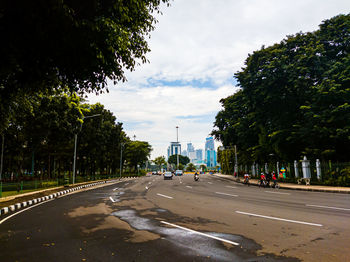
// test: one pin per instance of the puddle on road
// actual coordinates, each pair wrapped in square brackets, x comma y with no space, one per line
[192,244]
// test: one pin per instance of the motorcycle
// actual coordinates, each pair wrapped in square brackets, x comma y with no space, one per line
[196,177]
[246,181]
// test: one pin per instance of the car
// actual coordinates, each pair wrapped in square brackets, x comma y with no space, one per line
[168,175]
[178,173]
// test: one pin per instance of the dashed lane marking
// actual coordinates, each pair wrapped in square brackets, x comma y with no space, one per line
[200,233]
[231,186]
[280,219]
[225,194]
[189,186]
[338,208]
[164,196]
[112,199]
[280,193]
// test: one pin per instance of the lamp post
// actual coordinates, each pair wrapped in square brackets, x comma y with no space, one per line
[121,157]
[2,154]
[75,145]
[177,142]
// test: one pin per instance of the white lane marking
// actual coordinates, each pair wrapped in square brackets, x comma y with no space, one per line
[281,219]
[231,186]
[115,189]
[149,183]
[180,180]
[189,186]
[210,183]
[112,199]
[127,184]
[277,193]
[200,233]
[225,194]
[338,208]
[146,187]
[2,221]
[164,196]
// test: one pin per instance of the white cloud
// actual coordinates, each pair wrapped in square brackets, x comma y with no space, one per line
[208,41]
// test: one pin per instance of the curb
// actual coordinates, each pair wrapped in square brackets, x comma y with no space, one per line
[18,206]
[282,186]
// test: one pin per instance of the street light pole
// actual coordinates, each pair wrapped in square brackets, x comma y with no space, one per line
[121,157]
[236,163]
[75,145]
[177,144]
[2,154]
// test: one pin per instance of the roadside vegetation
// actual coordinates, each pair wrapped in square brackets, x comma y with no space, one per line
[293,102]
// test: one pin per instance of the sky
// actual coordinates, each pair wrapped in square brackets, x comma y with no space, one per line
[196,48]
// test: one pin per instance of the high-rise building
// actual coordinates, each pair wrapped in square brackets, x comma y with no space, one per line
[210,153]
[174,149]
[184,153]
[192,156]
[190,147]
[210,156]
[199,154]
[209,143]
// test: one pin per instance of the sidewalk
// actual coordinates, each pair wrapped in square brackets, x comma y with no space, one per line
[314,188]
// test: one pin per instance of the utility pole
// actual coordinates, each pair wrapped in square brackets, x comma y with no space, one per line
[2,154]
[177,141]
[121,157]
[236,163]
[75,145]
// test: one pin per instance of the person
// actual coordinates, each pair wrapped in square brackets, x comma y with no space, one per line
[268,179]
[274,179]
[246,179]
[196,177]
[262,179]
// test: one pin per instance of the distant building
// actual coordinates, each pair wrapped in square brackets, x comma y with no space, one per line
[199,154]
[192,156]
[184,153]
[210,156]
[210,153]
[190,147]
[174,149]
[209,143]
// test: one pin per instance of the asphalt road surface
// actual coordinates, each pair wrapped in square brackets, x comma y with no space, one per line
[152,219]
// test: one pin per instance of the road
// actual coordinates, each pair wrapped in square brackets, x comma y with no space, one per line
[151,219]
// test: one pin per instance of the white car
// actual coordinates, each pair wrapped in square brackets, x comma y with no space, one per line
[178,173]
[168,175]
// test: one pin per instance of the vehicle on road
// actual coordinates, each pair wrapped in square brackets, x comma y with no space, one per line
[246,179]
[196,177]
[178,173]
[168,175]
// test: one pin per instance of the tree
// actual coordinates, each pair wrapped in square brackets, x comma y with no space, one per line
[160,161]
[137,153]
[203,167]
[293,99]
[55,44]
[184,160]
[190,167]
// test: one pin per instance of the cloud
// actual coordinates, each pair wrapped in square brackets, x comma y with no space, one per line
[197,47]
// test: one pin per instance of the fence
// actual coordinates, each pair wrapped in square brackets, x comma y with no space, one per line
[330,173]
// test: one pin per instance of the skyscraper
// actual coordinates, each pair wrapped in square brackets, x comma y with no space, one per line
[210,153]
[174,149]
[199,154]
[190,147]
[209,143]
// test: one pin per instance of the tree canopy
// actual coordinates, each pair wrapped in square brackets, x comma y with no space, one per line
[159,161]
[40,138]
[184,160]
[294,98]
[59,44]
